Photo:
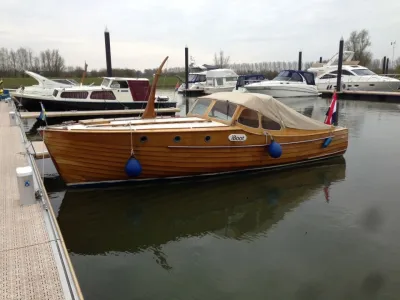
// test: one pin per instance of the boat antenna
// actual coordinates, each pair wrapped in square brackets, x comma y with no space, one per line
[149,112]
[84,72]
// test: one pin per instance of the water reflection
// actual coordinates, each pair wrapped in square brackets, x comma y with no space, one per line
[239,207]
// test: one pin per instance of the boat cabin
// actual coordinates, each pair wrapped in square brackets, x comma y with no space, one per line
[221,77]
[248,79]
[295,76]
[349,71]
[111,88]
[255,113]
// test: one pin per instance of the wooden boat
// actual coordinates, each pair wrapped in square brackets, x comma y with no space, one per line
[223,132]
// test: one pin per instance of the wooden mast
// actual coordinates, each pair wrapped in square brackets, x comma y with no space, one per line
[149,112]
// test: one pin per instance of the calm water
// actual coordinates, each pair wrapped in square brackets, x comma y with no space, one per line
[327,231]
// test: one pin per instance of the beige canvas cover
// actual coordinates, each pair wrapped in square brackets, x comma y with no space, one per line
[271,108]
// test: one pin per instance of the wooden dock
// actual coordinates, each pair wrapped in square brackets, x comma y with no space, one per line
[34,263]
[91,113]
[393,97]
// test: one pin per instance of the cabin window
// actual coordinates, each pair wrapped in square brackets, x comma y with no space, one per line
[223,110]
[119,84]
[345,72]
[363,72]
[267,123]
[231,79]
[74,95]
[328,76]
[202,78]
[220,81]
[249,118]
[55,93]
[201,106]
[102,95]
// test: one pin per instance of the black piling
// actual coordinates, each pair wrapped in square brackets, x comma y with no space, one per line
[300,62]
[384,65]
[387,66]
[339,78]
[108,52]
[187,78]
[320,59]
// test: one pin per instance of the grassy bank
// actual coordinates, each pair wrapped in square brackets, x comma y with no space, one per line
[13,83]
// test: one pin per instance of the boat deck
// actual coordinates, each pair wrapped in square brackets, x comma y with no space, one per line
[34,263]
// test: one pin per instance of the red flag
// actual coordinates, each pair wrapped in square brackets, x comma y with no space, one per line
[177,86]
[331,114]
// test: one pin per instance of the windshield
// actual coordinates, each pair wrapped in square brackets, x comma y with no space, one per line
[363,72]
[200,106]
[106,82]
[288,75]
[196,78]
[223,110]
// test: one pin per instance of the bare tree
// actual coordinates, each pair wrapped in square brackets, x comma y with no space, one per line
[359,42]
[22,59]
[4,62]
[221,61]
[13,61]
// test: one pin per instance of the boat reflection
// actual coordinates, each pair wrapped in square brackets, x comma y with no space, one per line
[238,207]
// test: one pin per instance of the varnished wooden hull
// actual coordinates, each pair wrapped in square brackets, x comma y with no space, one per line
[100,156]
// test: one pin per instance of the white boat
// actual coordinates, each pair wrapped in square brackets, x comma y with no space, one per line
[288,83]
[114,93]
[197,81]
[220,80]
[354,76]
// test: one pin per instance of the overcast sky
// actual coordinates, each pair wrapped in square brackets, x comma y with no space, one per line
[144,32]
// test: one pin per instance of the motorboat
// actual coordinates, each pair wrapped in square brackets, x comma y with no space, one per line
[247,79]
[220,80]
[197,81]
[288,83]
[114,93]
[357,78]
[332,64]
[224,132]
[354,76]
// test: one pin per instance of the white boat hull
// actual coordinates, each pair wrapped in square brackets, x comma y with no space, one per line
[208,90]
[284,90]
[383,86]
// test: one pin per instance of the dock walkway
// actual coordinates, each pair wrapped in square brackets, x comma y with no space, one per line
[34,263]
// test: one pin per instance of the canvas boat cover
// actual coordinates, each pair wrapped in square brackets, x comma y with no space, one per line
[270,108]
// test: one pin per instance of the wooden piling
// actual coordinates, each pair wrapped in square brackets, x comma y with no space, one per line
[108,52]
[339,78]
[300,60]
[186,78]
